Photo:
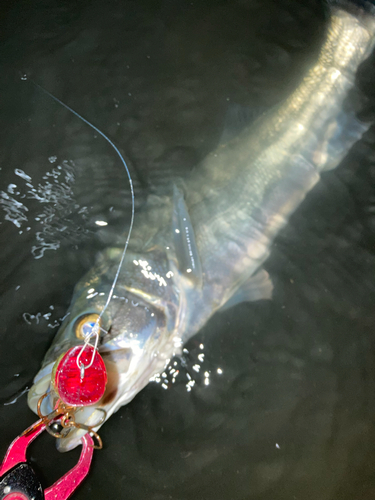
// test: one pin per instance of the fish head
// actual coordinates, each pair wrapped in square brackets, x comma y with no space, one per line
[137,336]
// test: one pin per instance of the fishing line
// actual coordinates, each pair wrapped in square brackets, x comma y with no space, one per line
[96,327]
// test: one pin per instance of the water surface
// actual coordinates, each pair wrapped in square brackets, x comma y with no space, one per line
[273,400]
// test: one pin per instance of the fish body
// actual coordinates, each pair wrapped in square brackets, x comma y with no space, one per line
[202,248]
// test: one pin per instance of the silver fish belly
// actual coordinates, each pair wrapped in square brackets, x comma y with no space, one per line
[203,248]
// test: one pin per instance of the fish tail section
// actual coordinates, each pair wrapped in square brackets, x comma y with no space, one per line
[344,129]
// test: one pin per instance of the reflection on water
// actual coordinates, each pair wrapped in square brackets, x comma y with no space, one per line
[57,204]
[270,400]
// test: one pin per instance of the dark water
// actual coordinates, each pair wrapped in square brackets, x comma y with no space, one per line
[291,416]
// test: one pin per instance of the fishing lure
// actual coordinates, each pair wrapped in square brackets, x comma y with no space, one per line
[78,379]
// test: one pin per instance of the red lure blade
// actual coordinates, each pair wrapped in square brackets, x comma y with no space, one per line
[72,388]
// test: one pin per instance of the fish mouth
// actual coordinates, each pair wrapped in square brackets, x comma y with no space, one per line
[128,371]
[91,419]
[71,441]
[42,400]
[43,397]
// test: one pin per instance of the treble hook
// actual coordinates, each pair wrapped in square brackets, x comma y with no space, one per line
[67,421]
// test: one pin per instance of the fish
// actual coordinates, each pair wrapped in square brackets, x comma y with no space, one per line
[202,247]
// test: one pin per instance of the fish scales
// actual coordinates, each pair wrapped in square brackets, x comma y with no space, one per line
[294,143]
[203,248]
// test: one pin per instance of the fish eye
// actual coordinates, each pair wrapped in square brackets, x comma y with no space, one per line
[85,324]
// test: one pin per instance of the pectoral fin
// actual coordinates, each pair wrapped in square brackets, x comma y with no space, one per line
[258,287]
[339,136]
[188,261]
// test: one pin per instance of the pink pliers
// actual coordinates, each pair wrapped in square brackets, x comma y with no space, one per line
[18,481]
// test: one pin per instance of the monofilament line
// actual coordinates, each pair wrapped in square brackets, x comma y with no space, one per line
[95,330]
